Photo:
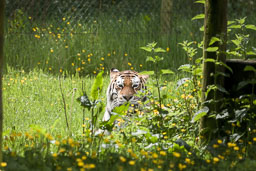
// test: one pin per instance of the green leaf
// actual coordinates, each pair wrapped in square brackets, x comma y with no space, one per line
[213,40]
[185,67]
[147,73]
[212,49]
[121,110]
[199,114]
[159,50]
[235,26]
[250,68]
[210,60]
[241,21]
[226,66]
[150,59]
[236,42]
[201,28]
[166,71]
[222,89]
[97,86]
[148,49]
[200,1]
[250,26]
[230,22]
[199,16]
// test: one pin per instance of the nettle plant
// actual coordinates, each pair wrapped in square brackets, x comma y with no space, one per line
[237,116]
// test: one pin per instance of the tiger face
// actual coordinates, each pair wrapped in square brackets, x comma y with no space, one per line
[122,88]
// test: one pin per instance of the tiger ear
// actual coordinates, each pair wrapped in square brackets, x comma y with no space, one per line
[145,77]
[113,73]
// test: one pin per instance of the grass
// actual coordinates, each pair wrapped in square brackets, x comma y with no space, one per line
[36,137]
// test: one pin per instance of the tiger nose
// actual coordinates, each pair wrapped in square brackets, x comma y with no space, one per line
[127,97]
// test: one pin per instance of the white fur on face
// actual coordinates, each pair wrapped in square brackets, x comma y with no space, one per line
[120,81]
[136,81]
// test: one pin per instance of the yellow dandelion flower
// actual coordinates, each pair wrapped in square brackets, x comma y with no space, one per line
[187,160]
[83,62]
[66,46]
[61,70]
[80,164]
[167,49]
[109,54]
[29,18]
[57,143]
[176,154]
[219,141]
[102,58]
[236,148]
[215,145]
[163,153]
[216,159]
[122,159]
[183,96]
[129,64]
[3,164]
[132,162]
[132,68]
[154,155]
[182,166]
[68,23]
[78,69]
[140,65]
[125,54]
[50,69]
[254,139]
[54,155]
[51,51]
[89,59]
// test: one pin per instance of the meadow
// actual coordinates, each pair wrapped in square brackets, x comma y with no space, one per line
[50,66]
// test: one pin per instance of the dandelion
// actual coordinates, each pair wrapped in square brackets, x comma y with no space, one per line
[61,70]
[154,155]
[236,148]
[29,18]
[63,18]
[216,159]
[66,46]
[183,96]
[125,54]
[80,163]
[208,161]
[3,164]
[132,162]
[89,59]
[78,69]
[102,58]
[187,160]
[132,68]
[215,145]
[182,166]
[78,54]
[167,49]
[51,51]
[68,23]
[140,65]
[54,155]
[50,69]
[254,139]
[176,154]
[163,153]
[122,159]
[37,36]
[219,141]
[109,54]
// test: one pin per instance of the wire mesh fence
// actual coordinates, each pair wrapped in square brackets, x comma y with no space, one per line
[52,33]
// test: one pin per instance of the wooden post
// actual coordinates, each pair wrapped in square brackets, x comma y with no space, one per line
[215,25]
[2,5]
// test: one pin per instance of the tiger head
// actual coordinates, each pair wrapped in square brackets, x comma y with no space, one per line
[123,87]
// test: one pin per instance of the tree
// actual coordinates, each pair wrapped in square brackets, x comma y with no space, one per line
[215,27]
[2,5]
[166,9]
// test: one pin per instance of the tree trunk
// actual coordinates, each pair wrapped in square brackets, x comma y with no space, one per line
[166,11]
[2,4]
[215,25]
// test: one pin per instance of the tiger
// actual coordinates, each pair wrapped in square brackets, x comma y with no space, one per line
[122,88]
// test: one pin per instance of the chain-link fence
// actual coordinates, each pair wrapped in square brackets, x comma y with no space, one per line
[66,34]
